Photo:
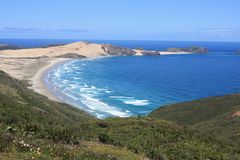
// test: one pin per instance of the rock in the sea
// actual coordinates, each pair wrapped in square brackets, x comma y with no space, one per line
[194,49]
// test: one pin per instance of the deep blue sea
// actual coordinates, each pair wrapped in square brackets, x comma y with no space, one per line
[130,86]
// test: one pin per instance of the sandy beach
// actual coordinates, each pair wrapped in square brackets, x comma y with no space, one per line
[78,49]
[37,81]
[31,70]
[32,64]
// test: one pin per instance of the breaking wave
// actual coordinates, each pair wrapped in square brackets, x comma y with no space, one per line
[66,82]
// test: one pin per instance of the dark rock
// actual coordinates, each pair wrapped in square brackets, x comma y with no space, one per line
[103,124]
[115,50]
[194,49]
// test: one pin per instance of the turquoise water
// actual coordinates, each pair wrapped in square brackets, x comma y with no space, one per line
[130,86]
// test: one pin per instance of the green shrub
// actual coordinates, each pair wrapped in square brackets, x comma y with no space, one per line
[103,124]
[6,140]
[104,138]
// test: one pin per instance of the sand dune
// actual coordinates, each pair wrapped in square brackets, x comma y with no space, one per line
[80,48]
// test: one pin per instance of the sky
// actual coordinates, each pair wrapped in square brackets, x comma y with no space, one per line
[175,20]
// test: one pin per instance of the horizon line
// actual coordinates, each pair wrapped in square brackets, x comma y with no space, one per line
[118,40]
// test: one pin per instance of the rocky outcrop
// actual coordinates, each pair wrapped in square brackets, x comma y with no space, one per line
[115,50]
[194,49]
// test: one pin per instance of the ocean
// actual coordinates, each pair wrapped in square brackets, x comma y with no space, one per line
[149,45]
[131,86]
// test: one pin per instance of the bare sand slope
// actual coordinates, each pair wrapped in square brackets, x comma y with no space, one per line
[79,48]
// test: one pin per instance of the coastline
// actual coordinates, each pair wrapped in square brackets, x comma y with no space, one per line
[38,83]
[38,80]
[32,64]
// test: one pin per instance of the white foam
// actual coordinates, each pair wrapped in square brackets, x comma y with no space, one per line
[107,91]
[77,78]
[65,81]
[83,95]
[104,90]
[121,97]
[74,86]
[99,106]
[136,102]
[57,74]
[100,116]
[87,89]
[89,95]
[131,100]
[71,96]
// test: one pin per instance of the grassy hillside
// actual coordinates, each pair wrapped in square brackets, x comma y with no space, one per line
[33,127]
[215,115]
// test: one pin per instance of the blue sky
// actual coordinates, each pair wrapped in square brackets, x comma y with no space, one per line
[198,20]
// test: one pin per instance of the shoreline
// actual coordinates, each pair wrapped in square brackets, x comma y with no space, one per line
[38,83]
[38,80]
[31,64]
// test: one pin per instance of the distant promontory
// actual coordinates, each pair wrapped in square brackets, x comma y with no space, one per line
[9,47]
[193,49]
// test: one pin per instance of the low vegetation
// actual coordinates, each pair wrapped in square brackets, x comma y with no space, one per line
[219,116]
[33,127]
